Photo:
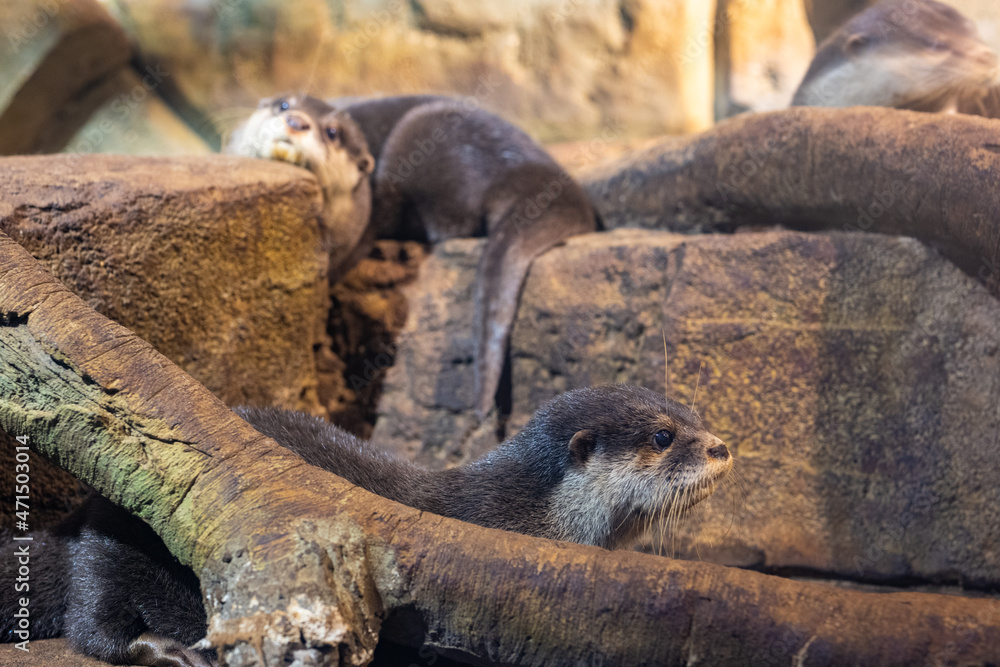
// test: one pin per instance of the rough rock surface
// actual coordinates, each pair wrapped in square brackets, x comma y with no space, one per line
[562,69]
[55,56]
[367,311]
[215,261]
[856,377]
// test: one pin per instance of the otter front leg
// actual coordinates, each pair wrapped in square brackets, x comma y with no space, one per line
[160,651]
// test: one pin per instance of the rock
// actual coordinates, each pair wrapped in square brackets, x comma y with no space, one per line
[54,493]
[856,378]
[215,261]
[48,652]
[368,311]
[135,121]
[559,68]
[427,408]
[56,56]
[763,50]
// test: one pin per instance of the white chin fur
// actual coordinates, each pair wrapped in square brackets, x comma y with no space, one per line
[265,136]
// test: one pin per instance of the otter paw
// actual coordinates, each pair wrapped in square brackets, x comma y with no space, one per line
[158,651]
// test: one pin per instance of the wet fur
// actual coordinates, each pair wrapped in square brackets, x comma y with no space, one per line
[909,54]
[584,469]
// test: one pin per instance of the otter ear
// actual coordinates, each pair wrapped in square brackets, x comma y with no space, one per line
[581,445]
[366,164]
[855,43]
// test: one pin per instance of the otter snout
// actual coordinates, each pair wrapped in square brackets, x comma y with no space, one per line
[719,451]
[297,122]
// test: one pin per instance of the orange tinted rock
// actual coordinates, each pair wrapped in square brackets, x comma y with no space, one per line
[215,260]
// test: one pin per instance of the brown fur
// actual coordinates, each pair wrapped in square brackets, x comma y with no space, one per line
[445,170]
[584,469]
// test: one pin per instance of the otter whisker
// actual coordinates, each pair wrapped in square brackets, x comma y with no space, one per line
[697,382]
[666,367]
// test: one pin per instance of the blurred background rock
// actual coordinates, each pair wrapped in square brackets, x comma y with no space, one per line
[175,76]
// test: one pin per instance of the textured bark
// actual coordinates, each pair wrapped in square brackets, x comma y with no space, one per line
[929,176]
[241,511]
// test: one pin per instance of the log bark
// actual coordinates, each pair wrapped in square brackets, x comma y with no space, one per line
[294,558]
[929,176]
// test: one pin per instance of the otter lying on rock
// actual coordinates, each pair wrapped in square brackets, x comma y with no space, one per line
[442,170]
[600,466]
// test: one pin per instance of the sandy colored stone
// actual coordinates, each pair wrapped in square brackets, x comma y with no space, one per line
[764,49]
[297,565]
[55,54]
[214,260]
[856,377]
[135,121]
[562,69]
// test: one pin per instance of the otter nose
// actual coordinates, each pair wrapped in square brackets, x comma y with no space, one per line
[297,122]
[719,451]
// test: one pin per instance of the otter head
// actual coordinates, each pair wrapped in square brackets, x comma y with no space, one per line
[634,461]
[309,133]
[908,54]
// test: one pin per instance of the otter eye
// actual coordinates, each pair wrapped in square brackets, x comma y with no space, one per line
[331,133]
[663,439]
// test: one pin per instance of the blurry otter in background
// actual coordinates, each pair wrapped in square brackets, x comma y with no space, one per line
[920,55]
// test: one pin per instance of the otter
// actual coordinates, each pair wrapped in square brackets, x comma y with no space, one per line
[445,169]
[309,133]
[600,466]
[920,55]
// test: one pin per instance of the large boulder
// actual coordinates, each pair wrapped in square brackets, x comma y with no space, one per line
[856,378]
[216,261]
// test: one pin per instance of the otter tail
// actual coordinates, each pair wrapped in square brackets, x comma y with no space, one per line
[515,240]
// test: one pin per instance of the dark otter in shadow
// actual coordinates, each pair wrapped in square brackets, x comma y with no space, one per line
[601,466]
